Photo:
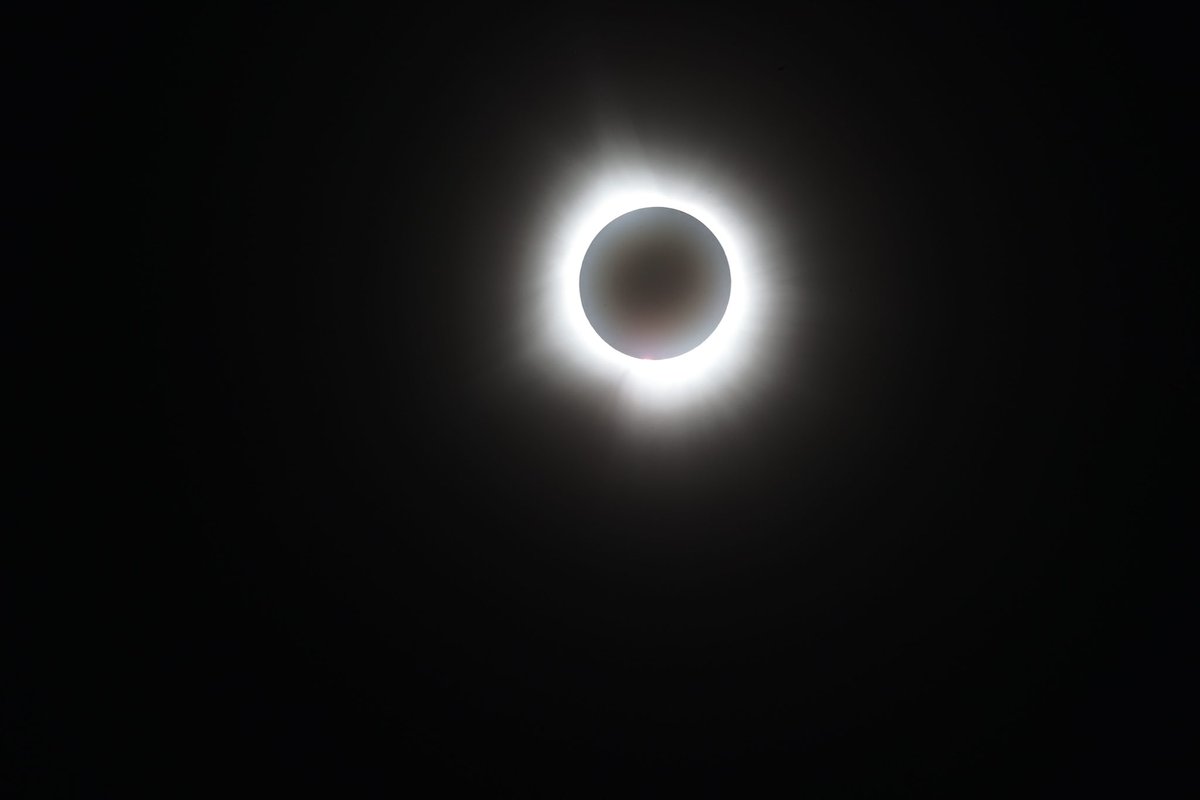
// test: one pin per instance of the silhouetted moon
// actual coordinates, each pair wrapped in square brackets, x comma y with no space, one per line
[655,283]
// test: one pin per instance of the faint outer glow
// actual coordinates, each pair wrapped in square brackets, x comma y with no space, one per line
[725,368]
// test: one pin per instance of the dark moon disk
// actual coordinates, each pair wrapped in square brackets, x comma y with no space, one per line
[655,283]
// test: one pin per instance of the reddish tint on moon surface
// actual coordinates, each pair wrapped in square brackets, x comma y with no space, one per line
[655,283]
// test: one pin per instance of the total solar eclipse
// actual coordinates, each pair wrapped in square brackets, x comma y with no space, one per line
[655,283]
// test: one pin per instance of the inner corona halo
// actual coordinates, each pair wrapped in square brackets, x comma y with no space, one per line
[655,283]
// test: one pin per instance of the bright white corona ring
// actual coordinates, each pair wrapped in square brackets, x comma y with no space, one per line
[654,288]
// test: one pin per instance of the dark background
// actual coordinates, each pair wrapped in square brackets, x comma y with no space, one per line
[305,521]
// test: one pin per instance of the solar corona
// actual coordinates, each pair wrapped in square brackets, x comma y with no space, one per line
[659,284]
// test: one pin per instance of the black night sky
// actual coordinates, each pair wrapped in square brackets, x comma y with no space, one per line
[306,520]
